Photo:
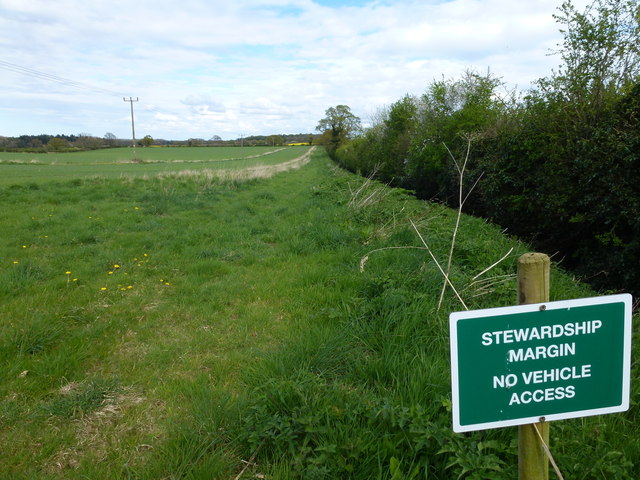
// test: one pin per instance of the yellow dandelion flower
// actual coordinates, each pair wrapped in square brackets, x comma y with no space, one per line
[75,279]
[129,287]
[167,284]
[103,289]
[145,255]
[110,273]
[15,262]
[116,266]
[68,272]
[139,264]
[24,246]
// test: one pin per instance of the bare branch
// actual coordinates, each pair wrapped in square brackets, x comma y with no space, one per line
[446,277]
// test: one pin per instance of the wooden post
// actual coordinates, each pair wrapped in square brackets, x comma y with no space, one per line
[533,287]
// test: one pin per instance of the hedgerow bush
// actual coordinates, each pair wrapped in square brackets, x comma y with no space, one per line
[558,166]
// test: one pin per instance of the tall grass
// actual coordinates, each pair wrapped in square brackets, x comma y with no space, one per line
[179,327]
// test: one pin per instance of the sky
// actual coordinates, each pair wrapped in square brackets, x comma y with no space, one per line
[201,68]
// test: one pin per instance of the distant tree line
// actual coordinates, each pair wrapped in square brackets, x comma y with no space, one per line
[559,164]
[59,143]
[81,142]
[249,141]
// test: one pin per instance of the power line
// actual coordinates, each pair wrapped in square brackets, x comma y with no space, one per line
[37,74]
[12,67]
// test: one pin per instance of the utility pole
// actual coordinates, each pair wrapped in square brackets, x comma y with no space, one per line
[133,128]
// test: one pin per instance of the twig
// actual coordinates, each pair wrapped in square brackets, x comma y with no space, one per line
[489,268]
[461,202]
[248,463]
[473,187]
[548,452]
[446,277]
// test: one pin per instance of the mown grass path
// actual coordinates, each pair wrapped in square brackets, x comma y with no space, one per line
[174,327]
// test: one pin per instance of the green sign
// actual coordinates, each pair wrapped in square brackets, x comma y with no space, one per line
[551,361]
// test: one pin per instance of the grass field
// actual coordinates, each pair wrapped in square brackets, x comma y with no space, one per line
[29,167]
[188,327]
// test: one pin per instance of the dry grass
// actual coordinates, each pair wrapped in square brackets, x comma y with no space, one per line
[138,160]
[368,193]
[249,173]
[96,433]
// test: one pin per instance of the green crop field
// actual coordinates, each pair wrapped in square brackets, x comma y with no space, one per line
[30,167]
[190,326]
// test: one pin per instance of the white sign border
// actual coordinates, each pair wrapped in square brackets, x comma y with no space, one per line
[562,304]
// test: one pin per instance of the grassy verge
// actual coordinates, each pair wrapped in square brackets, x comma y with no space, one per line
[174,327]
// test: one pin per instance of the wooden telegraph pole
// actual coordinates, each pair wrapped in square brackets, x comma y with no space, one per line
[533,287]
[133,128]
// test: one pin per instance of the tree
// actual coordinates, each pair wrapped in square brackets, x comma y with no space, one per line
[274,140]
[110,139]
[338,126]
[195,142]
[450,112]
[147,141]
[576,135]
[600,54]
[87,141]
[57,144]
[397,133]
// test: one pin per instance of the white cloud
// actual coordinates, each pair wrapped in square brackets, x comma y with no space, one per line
[204,67]
[203,103]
